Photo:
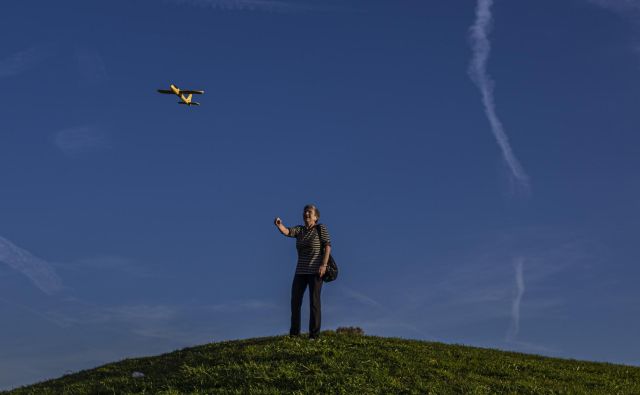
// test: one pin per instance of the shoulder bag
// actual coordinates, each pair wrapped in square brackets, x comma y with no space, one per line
[332,268]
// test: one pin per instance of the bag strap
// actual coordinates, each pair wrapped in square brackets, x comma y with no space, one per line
[320,237]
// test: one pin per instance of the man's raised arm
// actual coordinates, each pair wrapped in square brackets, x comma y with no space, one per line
[283,229]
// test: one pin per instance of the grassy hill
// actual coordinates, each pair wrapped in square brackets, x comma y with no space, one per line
[344,364]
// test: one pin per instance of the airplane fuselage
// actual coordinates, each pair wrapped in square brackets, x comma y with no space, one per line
[185,99]
[184,95]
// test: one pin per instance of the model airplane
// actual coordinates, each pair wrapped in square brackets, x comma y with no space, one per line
[184,95]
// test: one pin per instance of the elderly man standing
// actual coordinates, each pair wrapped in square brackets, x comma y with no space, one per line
[314,246]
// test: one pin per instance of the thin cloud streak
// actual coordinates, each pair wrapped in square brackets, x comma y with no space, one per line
[515,307]
[362,298]
[479,34]
[37,270]
[110,263]
[618,5]
[383,318]
[112,332]
[91,67]
[22,61]
[29,310]
[80,140]
[243,306]
[478,286]
[148,316]
[245,5]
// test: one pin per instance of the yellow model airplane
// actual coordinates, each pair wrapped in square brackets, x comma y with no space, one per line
[184,95]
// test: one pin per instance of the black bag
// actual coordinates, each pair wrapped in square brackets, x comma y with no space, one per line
[332,268]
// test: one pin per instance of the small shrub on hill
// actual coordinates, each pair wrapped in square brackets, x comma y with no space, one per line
[350,330]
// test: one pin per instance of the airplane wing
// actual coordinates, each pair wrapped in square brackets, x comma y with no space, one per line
[192,92]
[165,91]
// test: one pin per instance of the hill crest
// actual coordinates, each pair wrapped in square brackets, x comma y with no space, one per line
[343,363]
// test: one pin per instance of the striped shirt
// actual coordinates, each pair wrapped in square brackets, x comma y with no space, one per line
[309,246]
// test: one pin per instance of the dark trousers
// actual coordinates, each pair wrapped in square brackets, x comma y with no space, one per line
[300,283]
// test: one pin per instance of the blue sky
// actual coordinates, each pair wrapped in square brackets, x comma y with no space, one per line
[479,184]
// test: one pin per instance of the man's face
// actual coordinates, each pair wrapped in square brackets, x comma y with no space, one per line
[309,216]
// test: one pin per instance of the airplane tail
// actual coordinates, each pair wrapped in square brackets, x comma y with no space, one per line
[187,100]
[193,103]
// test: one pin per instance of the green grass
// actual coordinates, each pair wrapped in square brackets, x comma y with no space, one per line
[345,364]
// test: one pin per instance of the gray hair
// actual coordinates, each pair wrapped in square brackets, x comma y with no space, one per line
[315,209]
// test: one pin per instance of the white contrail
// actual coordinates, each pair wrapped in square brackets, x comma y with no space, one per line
[515,307]
[479,33]
[37,270]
